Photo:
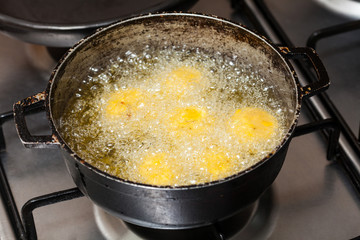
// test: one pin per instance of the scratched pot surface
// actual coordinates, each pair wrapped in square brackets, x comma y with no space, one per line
[312,198]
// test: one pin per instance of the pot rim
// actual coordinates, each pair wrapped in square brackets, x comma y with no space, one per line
[63,61]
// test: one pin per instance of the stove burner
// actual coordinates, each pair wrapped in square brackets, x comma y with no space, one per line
[348,8]
[254,222]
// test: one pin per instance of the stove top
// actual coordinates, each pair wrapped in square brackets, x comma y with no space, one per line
[312,198]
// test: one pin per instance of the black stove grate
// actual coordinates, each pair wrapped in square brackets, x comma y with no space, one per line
[331,31]
[248,8]
[345,129]
[41,201]
[24,227]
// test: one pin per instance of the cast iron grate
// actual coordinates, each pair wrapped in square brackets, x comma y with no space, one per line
[246,7]
[24,227]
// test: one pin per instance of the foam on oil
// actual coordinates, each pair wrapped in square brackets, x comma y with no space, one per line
[173,116]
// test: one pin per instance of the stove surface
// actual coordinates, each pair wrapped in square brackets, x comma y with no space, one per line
[312,197]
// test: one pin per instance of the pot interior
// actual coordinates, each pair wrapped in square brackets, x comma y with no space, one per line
[191,31]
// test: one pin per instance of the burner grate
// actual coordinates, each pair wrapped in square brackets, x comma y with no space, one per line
[24,229]
[41,201]
[258,13]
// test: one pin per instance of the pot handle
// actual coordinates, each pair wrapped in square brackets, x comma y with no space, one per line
[32,104]
[323,78]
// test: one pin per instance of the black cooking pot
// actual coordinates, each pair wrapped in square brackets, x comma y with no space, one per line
[185,206]
[61,24]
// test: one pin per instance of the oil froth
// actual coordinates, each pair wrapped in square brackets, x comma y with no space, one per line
[174,116]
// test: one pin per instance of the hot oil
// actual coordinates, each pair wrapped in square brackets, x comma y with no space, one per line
[174,116]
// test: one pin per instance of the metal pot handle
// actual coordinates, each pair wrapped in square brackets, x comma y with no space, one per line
[323,78]
[32,104]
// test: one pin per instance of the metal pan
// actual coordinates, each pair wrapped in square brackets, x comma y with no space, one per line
[172,207]
[63,23]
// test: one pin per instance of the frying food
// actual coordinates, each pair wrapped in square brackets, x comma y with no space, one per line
[175,119]
[156,169]
[179,80]
[188,120]
[124,102]
[253,124]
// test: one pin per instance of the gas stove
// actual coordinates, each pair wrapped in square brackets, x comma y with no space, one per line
[312,198]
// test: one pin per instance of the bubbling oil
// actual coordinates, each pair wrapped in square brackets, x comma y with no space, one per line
[174,116]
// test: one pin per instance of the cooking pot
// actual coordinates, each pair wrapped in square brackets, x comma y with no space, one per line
[62,24]
[172,207]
